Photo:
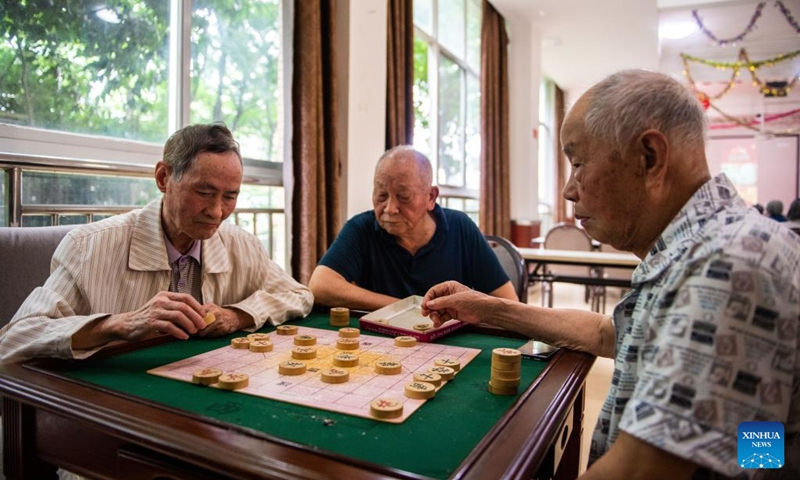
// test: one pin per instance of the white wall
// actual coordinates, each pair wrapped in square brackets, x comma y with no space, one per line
[366,102]
[524,77]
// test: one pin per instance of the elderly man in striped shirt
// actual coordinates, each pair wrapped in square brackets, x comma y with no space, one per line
[161,269]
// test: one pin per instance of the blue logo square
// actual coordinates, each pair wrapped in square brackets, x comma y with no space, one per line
[761,445]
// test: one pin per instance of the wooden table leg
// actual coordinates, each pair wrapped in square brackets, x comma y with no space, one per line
[19,444]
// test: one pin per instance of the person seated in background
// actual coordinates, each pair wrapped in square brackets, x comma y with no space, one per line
[406,245]
[793,216]
[708,337]
[775,210]
[759,207]
[160,269]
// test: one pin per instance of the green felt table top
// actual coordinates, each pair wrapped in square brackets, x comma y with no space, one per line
[432,442]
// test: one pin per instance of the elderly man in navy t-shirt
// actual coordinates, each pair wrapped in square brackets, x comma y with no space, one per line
[406,245]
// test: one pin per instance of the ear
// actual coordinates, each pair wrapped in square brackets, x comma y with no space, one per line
[653,151]
[163,173]
[432,196]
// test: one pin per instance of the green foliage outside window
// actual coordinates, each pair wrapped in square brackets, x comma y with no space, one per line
[66,68]
[102,68]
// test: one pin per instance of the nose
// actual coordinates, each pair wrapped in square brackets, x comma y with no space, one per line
[570,191]
[391,205]
[214,208]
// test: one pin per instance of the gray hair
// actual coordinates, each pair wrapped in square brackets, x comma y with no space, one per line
[774,207]
[626,104]
[187,143]
[424,168]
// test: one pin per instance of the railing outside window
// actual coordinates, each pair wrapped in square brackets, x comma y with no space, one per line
[41,191]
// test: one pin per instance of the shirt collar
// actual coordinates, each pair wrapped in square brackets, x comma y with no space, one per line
[173,254]
[683,232]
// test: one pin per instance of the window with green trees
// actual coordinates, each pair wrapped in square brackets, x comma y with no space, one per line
[447,96]
[103,68]
[112,79]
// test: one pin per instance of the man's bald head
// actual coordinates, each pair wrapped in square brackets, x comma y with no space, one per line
[403,155]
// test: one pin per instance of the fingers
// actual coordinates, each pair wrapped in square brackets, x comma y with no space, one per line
[224,324]
[169,328]
[190,307]
[438,318]
[436,291]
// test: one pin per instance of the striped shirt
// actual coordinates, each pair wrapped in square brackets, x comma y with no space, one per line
[117,265]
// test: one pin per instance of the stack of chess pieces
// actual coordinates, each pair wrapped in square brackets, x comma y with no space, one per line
[506,363]
[340,317]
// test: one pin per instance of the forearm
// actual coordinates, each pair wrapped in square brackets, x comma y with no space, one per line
[331,289]
[274,306]
[42,336]
[95,334]
[351,296]
[574,329]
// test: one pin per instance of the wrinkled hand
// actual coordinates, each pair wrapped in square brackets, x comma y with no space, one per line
[227,321]
[450,300]
[176,314]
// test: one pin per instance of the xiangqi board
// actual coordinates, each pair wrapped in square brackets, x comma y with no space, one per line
[353,396]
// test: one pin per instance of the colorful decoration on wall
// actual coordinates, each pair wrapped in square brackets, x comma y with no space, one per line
[744,62]
[750,26]
[737,38]
[757,123]
[788,15]
[752,122]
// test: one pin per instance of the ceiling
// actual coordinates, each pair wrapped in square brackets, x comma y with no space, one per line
[585,40]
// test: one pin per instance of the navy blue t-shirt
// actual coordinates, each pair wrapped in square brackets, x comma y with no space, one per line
[366,254]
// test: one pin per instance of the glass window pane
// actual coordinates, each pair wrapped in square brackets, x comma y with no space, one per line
[474,19]
[236,72]
[87,68]
[472,209]
[263,230]
[245,220]
[423,15]
[451,144]
[52,188]
[422,98]
[473,133]
[37,220]
[73,219]
[451,26]
[278,252]
[260,196]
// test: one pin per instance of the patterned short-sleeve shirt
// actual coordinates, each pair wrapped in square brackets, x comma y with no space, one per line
[708,337]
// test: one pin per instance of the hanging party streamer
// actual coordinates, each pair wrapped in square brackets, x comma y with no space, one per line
[788,16]
[752,122]
[743,62]
[737,38]
[750,26]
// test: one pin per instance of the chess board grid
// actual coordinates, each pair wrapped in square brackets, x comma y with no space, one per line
[352,397]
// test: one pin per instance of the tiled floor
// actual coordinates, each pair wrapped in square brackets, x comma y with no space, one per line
[599,378]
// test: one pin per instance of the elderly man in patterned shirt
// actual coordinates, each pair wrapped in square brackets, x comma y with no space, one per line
[708,337]
[160,269]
